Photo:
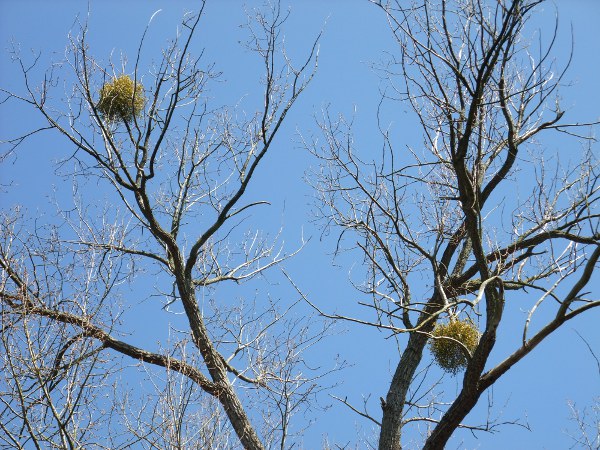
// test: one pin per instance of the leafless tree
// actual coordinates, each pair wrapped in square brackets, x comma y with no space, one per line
[477,221]
[587,421]
[177,168]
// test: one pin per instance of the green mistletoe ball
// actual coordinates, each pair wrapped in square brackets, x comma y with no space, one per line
[444,345]
[121,99]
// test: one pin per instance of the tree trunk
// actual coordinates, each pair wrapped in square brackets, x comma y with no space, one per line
[463,404]
[391,424]
[218,372]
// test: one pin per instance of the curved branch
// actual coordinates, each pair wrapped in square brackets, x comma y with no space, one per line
[88,329]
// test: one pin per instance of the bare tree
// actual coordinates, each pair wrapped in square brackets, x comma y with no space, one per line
[479,219]
[587,421]
[179,167]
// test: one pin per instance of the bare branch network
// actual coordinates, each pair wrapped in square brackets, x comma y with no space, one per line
[483,96]
[453,235]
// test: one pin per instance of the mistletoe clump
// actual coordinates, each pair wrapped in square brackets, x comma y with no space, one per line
[446,345]
[121,99]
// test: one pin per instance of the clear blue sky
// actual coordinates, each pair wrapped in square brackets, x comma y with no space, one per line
[355,35]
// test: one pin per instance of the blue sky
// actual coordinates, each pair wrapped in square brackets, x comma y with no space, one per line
[355,35]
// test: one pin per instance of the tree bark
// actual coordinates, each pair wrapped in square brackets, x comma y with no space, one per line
[391,424]
[463,404]
[393,407]
[217,370]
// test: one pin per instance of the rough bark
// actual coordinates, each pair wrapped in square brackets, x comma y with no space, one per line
[391,424]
